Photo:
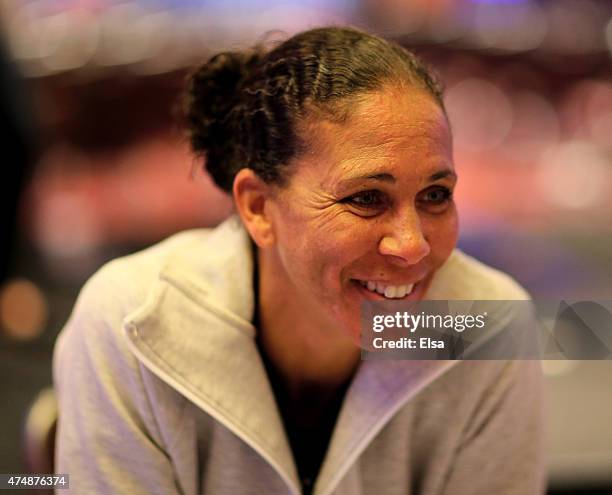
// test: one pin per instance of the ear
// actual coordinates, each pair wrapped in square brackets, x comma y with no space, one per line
[251,196]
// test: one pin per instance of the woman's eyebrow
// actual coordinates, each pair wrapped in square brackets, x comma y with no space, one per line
[443,174]
[385,177]
[382,177]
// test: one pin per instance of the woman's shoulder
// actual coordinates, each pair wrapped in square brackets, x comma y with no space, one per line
[126,281]
[100,382]
[464,277]
[94,336]
[117,288]
[125,284]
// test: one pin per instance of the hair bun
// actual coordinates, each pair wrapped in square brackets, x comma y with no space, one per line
[212,93]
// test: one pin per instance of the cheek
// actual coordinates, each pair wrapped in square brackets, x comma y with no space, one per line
[330,253]
[304,247]
[442,233]
[318,250]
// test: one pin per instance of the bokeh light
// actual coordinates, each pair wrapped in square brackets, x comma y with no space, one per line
[574,175]
[510,26]
[23,309]
[475,126]
[535,127]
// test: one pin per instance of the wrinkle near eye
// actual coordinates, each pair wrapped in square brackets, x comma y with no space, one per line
[326,221]
[310,200]
[322,200]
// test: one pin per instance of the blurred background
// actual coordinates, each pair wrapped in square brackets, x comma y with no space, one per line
[96,166]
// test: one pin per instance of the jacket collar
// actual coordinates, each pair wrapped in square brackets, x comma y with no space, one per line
[195,333]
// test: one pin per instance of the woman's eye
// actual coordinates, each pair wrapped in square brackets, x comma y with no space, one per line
[437,197]
[367,200]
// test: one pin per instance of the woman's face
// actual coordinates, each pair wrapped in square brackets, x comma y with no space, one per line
[367,210]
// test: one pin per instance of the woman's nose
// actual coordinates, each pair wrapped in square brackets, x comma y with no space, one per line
[405,244]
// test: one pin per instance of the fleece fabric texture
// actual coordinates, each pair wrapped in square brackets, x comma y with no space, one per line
[162,390]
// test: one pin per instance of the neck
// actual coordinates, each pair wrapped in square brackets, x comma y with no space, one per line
[306,355]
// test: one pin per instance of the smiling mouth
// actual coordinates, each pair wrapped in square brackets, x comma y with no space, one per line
[386,290]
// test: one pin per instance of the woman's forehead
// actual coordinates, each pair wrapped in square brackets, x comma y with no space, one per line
[383,130]
[381,121]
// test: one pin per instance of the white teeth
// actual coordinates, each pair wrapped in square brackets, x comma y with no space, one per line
[389,291]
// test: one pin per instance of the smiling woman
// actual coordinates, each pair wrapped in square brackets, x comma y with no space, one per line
[227,361]
[388,186]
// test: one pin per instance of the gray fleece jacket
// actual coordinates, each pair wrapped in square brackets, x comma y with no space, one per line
[162,390]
